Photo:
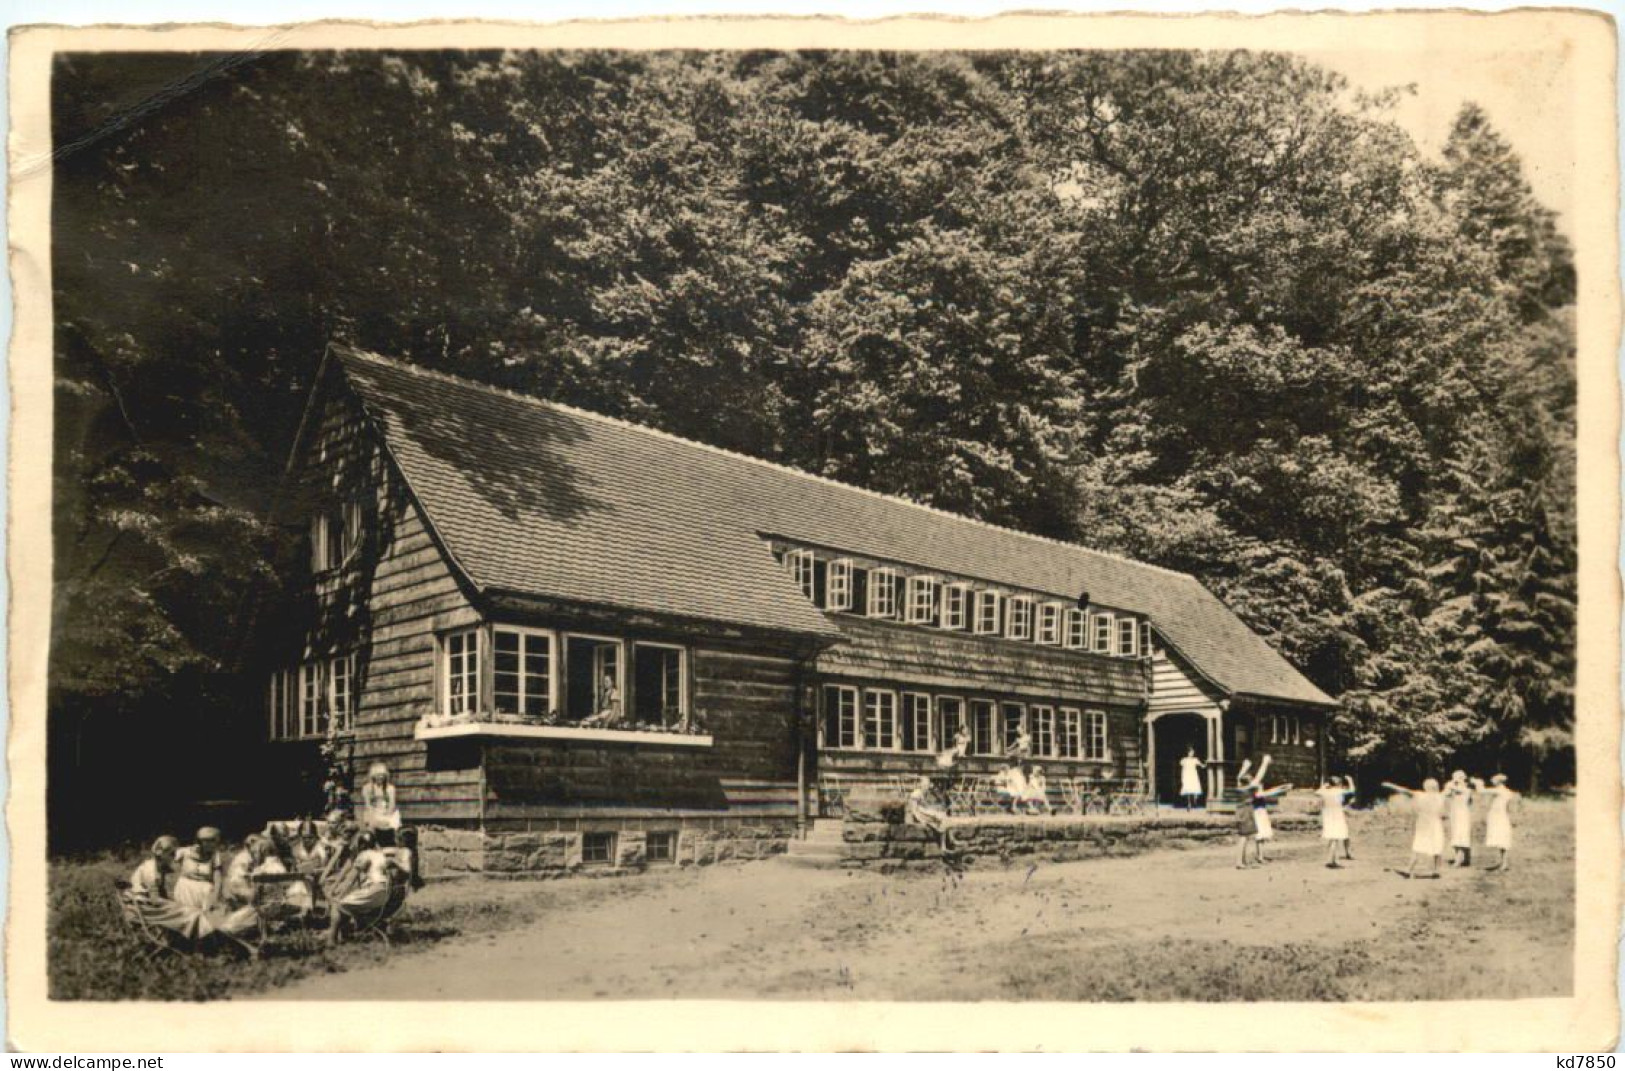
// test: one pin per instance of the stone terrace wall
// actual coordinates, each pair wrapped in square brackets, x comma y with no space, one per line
[556,852]
[880,839]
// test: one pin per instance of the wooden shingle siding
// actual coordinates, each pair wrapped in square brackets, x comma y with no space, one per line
[948,661]
[745,701]
[386,605]
[1175,688]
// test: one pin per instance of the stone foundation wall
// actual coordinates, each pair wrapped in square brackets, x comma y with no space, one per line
[546,849]
[876,839]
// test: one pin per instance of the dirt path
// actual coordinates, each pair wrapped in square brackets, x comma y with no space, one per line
[1152,925]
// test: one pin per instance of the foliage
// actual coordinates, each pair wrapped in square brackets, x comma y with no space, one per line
[1209,309]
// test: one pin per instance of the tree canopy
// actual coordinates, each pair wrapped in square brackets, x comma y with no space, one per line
[1214,310]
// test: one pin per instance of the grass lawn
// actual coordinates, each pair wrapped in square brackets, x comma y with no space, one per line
[1167,925]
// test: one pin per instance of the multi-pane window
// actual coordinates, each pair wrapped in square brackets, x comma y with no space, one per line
[280,704]
[922,600]
[1043,719]
[310,699]
[461,694]
[1019,618]
[1128,637]
[840,716]
[353,521]
[1095,736]
[882,593]
[838,585]
[659,684]
[597,849]
[522,671]
[987,612]
[340,695]
[955,606]
[1145,639]
[1049,623]
[950,717]
[1103,634]
[594,679]
[879,720]
[916,721]
[982,738]
[661,846]
[1013,717]
[1070,744]
[802,566]
[1077,629]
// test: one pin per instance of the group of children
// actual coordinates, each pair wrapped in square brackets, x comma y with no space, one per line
[196,891]
[1433,807]
[1454,803]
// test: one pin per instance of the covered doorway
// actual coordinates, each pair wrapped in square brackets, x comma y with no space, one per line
[1171,735]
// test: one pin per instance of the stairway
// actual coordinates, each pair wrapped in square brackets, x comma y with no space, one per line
[824,845]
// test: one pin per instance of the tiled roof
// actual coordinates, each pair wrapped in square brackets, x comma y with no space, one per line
[541,499]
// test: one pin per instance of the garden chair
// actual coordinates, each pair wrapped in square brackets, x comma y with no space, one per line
[376,924]
[962,796]
[282,913]
[152,941]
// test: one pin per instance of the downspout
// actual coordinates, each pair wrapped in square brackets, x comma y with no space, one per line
[801,748]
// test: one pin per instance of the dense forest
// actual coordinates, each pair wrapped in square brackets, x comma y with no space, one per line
[1212,310]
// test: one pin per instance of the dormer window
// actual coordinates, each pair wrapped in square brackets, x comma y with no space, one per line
[1077,630]
[838,585]
[987,613]
[1019,618]
[922,600]
[802,567]
[1128,637]
[1103,634]
[1049,624]
[955,607]
[882,593]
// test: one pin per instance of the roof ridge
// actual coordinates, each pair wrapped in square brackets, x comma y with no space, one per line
[548,403]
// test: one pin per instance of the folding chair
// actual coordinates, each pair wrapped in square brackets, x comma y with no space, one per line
[152,941]
[376,923]
[279,910]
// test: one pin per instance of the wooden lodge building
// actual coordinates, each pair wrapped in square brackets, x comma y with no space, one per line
[577,641]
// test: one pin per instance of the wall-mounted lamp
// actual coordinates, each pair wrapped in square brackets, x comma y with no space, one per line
[1083,600]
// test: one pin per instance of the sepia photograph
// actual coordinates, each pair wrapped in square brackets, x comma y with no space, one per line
[1027,524]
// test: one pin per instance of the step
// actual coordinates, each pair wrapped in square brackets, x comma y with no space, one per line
[802,847]
[812,862]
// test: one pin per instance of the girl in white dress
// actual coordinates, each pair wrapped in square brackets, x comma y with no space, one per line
[197,868]
[1498,827]
[1334,823]
[1428,840]
[1037,799]
[1458,796]
[379,811]
[1190,779]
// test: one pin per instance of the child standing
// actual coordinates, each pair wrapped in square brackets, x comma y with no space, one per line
[1247,825]
[1458,796]
[1190,779]
[1498,827]
[1334,823]
[1428,840]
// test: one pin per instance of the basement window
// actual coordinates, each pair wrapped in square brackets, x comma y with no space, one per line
[597,849]
[661,846]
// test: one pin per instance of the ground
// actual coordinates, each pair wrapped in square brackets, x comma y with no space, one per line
[1167,925]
